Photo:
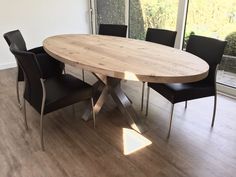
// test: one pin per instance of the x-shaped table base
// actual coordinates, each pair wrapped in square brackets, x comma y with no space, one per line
[109,85]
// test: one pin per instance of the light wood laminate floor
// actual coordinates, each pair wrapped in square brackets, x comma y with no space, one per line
[75,149]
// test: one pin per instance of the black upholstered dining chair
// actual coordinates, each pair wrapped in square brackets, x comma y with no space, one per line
[159,36]
[50,67]
[53,93]
[210,50]
[111,30]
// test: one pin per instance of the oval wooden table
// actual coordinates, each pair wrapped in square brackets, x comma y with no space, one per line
[112,59]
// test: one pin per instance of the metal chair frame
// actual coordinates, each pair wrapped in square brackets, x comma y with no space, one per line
[42,114]
[172,107]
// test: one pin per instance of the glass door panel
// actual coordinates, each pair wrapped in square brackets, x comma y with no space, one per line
[217,19]
[145,14]
[110,12]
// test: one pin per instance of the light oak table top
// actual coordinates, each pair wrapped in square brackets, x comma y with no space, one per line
[125,58]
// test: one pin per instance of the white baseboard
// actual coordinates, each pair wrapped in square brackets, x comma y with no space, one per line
[7,65]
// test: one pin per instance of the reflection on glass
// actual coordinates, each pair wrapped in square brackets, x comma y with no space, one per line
[110,11]
[152,14]
[217,19]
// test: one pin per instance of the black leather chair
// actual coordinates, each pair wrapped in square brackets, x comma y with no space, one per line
[53,93]
[50,67]
[111,30]
[159,36]
[210,50]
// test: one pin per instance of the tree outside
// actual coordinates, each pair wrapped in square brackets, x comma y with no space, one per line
[231,44]
[212,18]
[152,14]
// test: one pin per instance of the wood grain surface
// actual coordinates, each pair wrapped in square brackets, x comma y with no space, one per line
[127,59]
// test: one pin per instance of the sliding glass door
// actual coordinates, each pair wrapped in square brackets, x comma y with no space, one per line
[141,14]
[217,19]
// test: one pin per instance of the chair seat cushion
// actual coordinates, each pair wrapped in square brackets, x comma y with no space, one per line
[182,92]
[64,91]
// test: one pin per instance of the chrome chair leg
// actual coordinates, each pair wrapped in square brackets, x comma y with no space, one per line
[214,111]
[186,104]
[171,117]
[83,74]
[25,118]
[41,132]
[148,92]
[17,93]
[93,112]
[142,96]
[41,115]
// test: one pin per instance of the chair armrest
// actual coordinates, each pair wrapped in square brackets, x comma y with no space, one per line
[50,66]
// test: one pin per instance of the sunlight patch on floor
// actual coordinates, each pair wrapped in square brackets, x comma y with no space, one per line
[130,76]
[133,141]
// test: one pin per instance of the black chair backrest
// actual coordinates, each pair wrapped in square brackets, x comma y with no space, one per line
[32,73]
[209,49]
[161,36]
[16,38]
[113,30]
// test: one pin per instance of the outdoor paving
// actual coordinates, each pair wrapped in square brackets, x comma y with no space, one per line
[226,78]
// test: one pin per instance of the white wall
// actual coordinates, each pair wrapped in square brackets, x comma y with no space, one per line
[38,19]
